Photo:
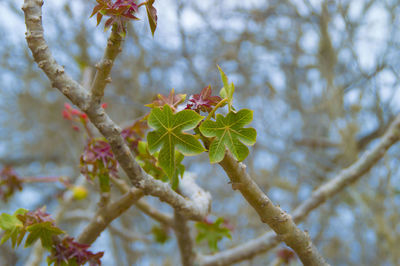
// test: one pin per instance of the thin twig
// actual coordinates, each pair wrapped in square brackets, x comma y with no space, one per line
[105,215]
[104,67]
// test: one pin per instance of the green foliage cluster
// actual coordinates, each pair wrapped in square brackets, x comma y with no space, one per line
[223,132]
[37,225]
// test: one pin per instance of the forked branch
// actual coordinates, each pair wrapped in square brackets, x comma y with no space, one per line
[83,99]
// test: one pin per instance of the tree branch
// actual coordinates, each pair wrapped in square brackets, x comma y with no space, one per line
[185,242]
[351,174]
[104,67]
[241,252]
[344,178]
[273,215]
[128,236]
[187,188]
[82,98]
[152,212]
[142,205]
[105,215]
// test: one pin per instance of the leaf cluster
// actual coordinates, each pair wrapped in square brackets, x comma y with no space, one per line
[119,12]
[67,252]
[36,224]
[97,160]
[39,225]
[122,11]
[220,132]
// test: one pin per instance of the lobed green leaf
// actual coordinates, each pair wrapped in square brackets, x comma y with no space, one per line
[228,132]
[13,227]
[169,135]
[43,231]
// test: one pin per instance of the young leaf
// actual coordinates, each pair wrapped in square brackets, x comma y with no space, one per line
[152,15]
[119,12]
[97,160]
[8,222]
[203,101]
[228,89]
[229,133]
[172,100]
[44,231]
[134,133]
[168,135]
[212,232]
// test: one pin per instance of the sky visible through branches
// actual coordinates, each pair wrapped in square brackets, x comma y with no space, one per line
[312,120]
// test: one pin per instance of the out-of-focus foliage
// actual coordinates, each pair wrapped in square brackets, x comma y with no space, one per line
[37,225]
[321,77]
[212,232]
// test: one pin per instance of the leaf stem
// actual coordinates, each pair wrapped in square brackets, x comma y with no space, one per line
[215,108]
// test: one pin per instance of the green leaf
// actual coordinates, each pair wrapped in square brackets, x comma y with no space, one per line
[8,222]
[152,15]
[14,235]
[229,133]
[212,232]
[180,170]
[13,227]
[228,89]
[169,135]
[149,162]
[45,231]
